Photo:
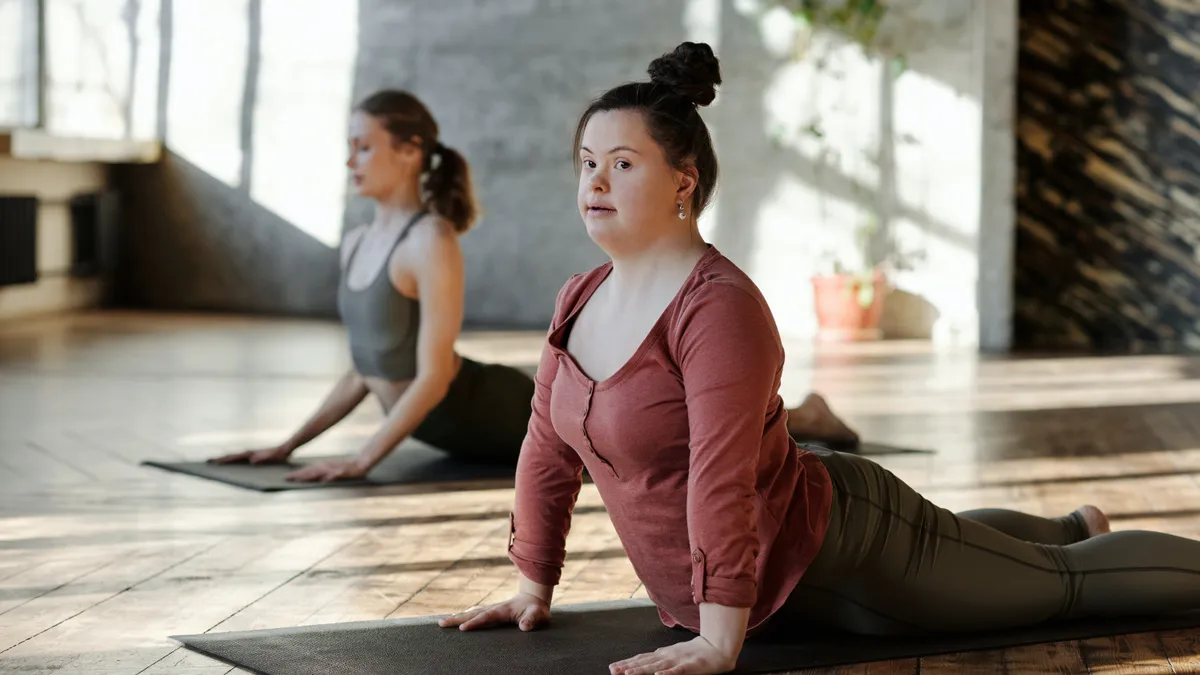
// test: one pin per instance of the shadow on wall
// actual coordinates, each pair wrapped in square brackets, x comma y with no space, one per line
[907,316]
[193,243]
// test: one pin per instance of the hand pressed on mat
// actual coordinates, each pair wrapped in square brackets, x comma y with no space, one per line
[526,610]
[327,472]
[277,454]
[715,650]
[694,657]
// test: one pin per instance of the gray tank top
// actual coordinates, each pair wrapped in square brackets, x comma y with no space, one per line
[381,322]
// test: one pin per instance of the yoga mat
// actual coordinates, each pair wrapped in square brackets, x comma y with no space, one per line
[411,463]
[408,464]
[585,638]
[867,448]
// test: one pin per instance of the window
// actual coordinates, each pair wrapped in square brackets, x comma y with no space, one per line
[18,63]
[102,59]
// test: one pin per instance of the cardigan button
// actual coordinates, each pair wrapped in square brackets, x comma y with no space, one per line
[695,557]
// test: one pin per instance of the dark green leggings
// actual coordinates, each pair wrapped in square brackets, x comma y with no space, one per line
[484,416]
[894,563]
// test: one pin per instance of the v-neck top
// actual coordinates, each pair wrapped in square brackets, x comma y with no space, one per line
[687,444]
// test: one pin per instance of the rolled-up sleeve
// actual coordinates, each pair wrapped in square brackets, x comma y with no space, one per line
[548,480]
[731,358]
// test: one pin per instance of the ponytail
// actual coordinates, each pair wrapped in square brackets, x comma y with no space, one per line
[448,187]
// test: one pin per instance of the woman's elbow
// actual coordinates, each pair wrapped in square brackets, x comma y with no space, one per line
[436,381]
[354,383]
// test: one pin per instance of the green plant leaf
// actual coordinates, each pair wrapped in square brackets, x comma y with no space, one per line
[866,293]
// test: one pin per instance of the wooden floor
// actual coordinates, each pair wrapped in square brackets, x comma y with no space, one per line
[101,560]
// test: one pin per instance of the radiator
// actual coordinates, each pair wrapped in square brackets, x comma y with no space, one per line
[93,231]
[18,240]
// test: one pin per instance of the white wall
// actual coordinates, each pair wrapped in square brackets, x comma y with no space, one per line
[929,149]
[54,183]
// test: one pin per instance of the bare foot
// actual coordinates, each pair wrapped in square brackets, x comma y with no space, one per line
[815,421]
[1097,522]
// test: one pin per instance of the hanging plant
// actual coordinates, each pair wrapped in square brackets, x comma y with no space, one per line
[858,20]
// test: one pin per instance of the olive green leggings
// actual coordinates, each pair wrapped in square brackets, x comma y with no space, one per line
[894,563]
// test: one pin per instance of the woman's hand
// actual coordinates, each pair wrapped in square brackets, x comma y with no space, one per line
[694,657]
[274,455]
[327,472]
[524,609]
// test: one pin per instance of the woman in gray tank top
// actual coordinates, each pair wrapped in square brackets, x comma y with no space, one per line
[401,300]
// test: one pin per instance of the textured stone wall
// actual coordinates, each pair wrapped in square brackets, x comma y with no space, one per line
[1108,242]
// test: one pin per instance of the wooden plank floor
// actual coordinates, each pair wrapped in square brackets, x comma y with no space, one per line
[101,560]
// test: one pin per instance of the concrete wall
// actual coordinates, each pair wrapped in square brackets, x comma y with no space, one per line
[53,183]
[246,211]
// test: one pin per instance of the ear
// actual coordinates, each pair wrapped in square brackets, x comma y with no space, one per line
[686,181]
[410,151]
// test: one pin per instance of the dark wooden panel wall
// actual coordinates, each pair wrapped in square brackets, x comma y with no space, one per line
[1108,194]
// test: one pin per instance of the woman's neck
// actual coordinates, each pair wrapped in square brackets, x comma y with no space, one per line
[669,256]
[398,207]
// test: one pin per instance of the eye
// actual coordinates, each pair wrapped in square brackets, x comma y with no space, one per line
[624,164]
[589,163]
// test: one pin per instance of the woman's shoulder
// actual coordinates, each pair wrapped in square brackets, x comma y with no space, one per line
[718,279]
[576,287]
[430,231]
[721,293]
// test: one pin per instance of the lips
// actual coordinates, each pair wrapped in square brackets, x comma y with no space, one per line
[600,209]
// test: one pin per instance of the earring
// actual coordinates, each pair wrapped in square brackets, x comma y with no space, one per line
[681,213]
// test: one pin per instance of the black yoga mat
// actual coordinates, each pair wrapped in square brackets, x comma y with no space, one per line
[586,638]
[867,448]
[409,464]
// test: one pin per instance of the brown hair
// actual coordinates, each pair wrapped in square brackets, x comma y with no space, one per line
[447,174]
[679,83]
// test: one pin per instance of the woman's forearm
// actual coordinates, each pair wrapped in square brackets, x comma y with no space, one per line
[724,627]
[414,405]
[349,391]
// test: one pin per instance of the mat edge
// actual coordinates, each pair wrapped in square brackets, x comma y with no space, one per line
[426,619]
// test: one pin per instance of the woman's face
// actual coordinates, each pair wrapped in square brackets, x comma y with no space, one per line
[381,166]
[629,194]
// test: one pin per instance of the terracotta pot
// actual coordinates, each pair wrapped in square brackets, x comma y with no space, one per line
[842,316]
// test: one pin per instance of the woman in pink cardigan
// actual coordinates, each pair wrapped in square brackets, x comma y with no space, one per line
[661,376]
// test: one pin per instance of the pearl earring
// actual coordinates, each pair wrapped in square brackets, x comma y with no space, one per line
[681,214]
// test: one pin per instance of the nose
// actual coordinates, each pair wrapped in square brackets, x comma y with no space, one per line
[599,181]
[351,162]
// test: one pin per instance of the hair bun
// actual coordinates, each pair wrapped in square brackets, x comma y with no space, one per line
[692,70]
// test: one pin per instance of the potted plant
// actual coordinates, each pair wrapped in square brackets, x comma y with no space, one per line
[849,298]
